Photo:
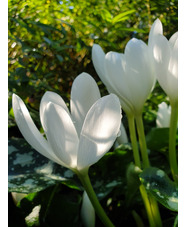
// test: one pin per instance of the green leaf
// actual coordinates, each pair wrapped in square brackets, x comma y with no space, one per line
[138,30]
[56,204]
[161,187]
[157,138]
[21,71]
[60,58]
[133,181]
[106,15]
[122,16]
[31,172]
[116,162]
[48,40]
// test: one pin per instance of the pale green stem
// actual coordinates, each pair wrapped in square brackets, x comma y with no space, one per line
[134,140]
[147,205]
[142,141]
[172,140]
[84,178]
[138,163]
[155,211]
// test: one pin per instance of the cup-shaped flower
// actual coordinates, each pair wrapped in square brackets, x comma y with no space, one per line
[78,139]
[130,75]
[165,54]
[163,115]
[87,211]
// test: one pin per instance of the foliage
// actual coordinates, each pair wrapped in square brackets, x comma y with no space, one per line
[162,188]
[50,41]
[49,45]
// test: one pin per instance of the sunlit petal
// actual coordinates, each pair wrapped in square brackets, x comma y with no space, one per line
[61,134]
[115,65]
[50,97]
[173,72]
[140,76]
[156,29]
[98,58]
[84,94]
[100,61]
[100,129]
[163,115]
[173,39]
[30,131]
[166,65]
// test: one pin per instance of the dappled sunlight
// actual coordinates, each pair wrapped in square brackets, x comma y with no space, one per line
[91,149]
[62,135]
[52,44]
[157,53]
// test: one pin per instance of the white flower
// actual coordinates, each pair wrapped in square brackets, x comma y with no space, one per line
[87,211]
[78,139]
[130,75]
[163,115]
[165,54]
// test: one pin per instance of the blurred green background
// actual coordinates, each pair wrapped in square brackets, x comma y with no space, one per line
[50,41]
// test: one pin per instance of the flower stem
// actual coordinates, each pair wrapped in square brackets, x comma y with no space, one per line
[155,211]
[85,180]
[134,140]
[142,141]
[149,202]
[152,203]
[147,205]
[172,140]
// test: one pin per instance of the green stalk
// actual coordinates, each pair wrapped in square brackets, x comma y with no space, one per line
[138,163]
[147,205]
[84,178]
[172,140]
[134,140]
[155,211]
[142,141]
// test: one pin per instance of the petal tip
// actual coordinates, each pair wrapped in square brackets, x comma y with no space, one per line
[157,27]
[15,97]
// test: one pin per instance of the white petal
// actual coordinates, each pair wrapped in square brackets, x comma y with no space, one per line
[115,65]
[161,50]
[87,211]
[162,55]
[136,52]
[140,76]
[50,97]
[30,131]
[173,72]
[173,39]
[100,129]
[163,115]
[100,61]
[98,58]
[61,134]
[138,60]
[84,94]
[156,29]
